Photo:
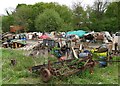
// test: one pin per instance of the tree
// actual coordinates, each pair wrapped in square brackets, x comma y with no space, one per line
[105,16]
[67,15]
[89,12]
[49,20]
[64,12]
[7,21]
[0,24]
[111,17]
[100,8]
[38,8]
[80,16]
[24,17]
[112,10]
[97,16]
[118,17]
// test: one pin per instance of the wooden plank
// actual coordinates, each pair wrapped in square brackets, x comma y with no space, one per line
[74,53]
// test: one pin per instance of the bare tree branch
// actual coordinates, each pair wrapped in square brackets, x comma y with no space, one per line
[100,7]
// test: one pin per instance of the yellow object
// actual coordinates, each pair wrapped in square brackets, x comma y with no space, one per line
[102,54]
[93,50]
[99,54]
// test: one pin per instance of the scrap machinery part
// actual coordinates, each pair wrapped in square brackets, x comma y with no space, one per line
[46,75]
[64,68]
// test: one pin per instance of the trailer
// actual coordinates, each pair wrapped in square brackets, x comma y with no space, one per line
[64,68]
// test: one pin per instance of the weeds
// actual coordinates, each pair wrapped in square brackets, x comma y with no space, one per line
[19,73]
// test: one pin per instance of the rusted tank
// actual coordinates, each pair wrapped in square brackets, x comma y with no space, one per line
[16,28]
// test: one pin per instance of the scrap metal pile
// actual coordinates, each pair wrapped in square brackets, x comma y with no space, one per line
[81,59]
[75,51]
[70,63]
[13,40]
[64,68]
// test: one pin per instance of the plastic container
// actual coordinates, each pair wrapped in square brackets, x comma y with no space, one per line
[102,58]
[83,55]
[87,51]
[102,63]
[102,48]
[49,43]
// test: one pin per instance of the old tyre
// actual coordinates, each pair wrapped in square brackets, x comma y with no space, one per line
[46,75]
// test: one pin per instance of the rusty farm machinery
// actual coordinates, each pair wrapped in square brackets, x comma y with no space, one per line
[63,68]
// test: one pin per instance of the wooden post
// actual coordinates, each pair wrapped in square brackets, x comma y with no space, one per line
[75,55]
[15,45]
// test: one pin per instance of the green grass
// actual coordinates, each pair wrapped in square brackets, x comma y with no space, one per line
[19,73]
[0,67]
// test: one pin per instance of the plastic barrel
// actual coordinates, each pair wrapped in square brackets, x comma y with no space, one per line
[102,58]
[83,55]
[102,63]
[87,51]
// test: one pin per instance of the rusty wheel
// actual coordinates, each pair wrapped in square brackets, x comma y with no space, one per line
[46,75]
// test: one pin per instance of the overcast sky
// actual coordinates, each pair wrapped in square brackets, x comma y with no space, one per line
[11,4]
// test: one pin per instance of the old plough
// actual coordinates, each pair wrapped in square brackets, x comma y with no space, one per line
[64,68]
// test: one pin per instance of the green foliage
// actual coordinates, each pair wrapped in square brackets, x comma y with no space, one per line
[49,20]
[19,73]
[65,14]
[79,17]
[108,20]
[112,10]
[118,15]
[85,28]
[0,24]
[7,21]
[64,18]
[0,21]
[111,20]
[24,17]
[14,74]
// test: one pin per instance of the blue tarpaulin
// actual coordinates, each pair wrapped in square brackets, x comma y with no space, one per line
[79,33]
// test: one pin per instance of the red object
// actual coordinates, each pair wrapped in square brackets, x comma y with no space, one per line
[44,37]
[62,58]
[16,28]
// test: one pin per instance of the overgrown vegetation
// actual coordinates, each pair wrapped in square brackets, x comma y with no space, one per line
[101,16]
[19,73]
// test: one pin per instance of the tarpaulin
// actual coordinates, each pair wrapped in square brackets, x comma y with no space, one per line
[79,33]
[44,37]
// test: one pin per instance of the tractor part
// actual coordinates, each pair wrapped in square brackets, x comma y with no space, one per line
[46,75]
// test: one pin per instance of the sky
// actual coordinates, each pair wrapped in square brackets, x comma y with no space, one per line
[10,5]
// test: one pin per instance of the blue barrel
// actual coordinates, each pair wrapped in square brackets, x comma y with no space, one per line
[102,58]
[24,39]
[87,51]
[102,63]
[83,55]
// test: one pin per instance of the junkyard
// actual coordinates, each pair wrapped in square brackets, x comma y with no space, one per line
[58,56]
[53,56]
